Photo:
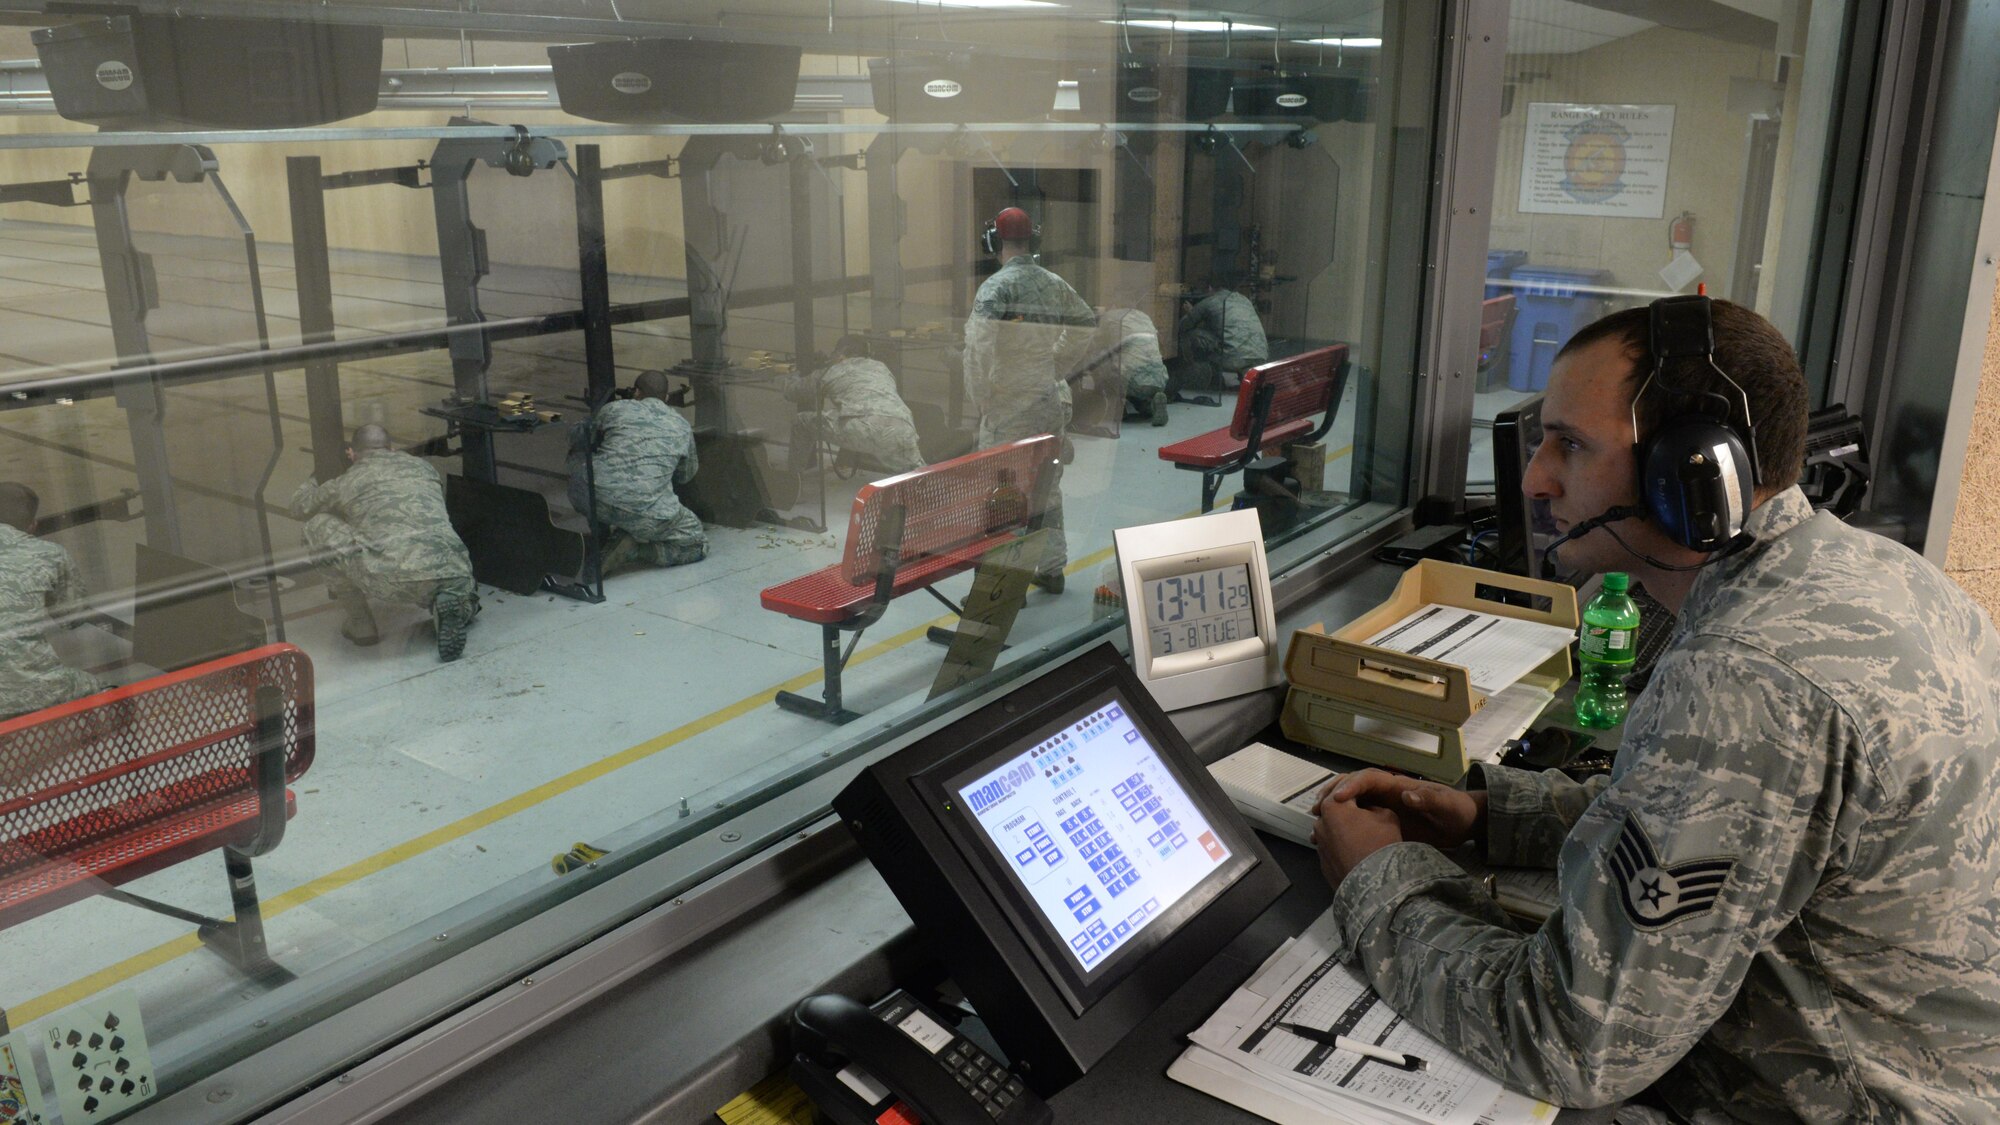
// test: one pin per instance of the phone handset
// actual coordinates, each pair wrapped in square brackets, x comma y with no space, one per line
[906,1054]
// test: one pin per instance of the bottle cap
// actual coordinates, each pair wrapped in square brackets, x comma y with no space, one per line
[1617,582]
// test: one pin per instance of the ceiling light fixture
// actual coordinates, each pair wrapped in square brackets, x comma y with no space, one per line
[1338,41]
[1193,25]
[981,3]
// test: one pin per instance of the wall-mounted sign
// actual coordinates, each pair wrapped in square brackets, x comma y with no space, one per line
[1608,160]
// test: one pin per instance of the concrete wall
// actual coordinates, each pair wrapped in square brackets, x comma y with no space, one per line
[1974,555]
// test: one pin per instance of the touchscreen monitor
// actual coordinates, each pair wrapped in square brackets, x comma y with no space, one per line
[1065,854]
[1099,835]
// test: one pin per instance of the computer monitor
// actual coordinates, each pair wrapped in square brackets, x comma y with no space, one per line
[1066,856]
[1526,527]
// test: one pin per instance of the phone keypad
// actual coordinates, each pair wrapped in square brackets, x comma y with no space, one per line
[987,1081]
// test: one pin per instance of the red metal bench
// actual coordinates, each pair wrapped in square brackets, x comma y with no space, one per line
[1274,407]
[910,532]
[101,790]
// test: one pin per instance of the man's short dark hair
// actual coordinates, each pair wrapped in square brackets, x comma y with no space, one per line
[369,438]
[851,346]
[19,505]
[651,384]
[1754,353]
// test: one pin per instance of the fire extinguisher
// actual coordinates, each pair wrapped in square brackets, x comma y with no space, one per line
[1680,234]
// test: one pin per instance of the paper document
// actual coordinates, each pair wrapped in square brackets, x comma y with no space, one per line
[1495,650]
[1506,714]
[1304,984]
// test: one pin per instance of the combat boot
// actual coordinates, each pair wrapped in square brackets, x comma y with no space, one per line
[451,616]
[620,551]
[1159,408]
[358,624]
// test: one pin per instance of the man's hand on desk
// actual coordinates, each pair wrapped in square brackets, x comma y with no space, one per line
[1363,812]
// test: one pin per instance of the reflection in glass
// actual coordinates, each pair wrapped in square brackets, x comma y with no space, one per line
[621,451]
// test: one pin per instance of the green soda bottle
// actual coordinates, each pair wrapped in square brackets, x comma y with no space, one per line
[1609,642]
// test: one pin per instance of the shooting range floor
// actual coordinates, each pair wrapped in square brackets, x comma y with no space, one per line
[442,788]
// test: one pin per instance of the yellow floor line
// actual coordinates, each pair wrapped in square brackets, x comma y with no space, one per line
[75,991]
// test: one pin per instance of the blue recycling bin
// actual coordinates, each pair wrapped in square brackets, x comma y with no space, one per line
[1548,310]
[1500,264]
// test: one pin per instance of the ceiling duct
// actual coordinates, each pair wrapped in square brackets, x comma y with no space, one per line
[644,81]
[199,72]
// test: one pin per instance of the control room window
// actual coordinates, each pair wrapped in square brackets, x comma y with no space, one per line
[442,470]
[1640,159]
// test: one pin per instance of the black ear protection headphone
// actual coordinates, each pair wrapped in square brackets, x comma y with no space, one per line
[1698,469]
[989,238]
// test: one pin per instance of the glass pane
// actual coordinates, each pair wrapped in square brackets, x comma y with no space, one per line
[673,507]
[1639,160]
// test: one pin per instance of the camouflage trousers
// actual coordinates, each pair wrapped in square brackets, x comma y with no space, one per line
[892,441]
[1207,360]
[31,678]
[673,541]
[351,569]
[1145,382]
[1049,416]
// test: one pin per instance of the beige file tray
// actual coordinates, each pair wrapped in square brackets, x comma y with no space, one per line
[1338,678]
[1368,734]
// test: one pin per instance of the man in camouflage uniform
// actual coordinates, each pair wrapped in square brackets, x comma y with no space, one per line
[38,579]
[643,448]
[1127,353]
[855,402]
[381,532]
[1784,901]
[1221,337]
[1027,334]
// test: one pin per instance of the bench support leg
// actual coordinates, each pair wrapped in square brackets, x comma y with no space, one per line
[241,942]
[828,708]
[1211,483]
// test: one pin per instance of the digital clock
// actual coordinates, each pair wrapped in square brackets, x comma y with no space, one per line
[1198,606]
[1199,610]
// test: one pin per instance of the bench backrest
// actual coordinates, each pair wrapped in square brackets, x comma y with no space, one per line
[97,768]
[1303,385]
[945,505]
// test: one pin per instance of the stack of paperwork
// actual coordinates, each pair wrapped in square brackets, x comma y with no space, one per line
[1242,1056]
[1437,677]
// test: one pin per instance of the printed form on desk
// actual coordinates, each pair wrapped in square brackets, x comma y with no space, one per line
[1495,650]
[1242,1056]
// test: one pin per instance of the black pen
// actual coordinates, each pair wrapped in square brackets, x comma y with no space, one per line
[1401,1060]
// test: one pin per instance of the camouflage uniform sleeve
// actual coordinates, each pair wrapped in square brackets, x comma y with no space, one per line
[1710,838]
[800,390]
[67,592]
[1079,327]
[982,336]
[1528,815]
[685,469]
[308,500]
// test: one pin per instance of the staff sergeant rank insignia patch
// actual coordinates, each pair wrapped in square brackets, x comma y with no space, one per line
[1657,895]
